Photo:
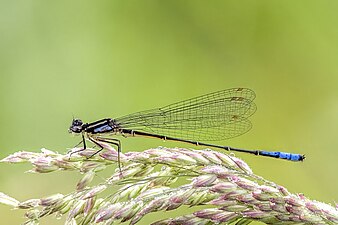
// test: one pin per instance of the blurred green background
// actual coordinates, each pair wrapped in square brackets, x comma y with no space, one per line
[96,59]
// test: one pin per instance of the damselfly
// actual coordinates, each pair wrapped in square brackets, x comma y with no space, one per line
[211,117]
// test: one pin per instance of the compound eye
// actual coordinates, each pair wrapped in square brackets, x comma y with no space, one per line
[76,127]
[77,122]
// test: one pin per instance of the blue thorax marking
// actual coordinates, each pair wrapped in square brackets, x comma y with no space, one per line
[103,129]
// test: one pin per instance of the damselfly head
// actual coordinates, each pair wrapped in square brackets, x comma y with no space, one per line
[76,126]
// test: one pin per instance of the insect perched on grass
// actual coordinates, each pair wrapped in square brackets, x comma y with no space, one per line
[216,116]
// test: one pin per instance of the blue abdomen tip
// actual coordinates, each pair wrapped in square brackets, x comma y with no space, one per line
[283,155]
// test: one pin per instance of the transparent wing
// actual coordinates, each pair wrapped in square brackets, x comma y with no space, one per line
[215,116]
